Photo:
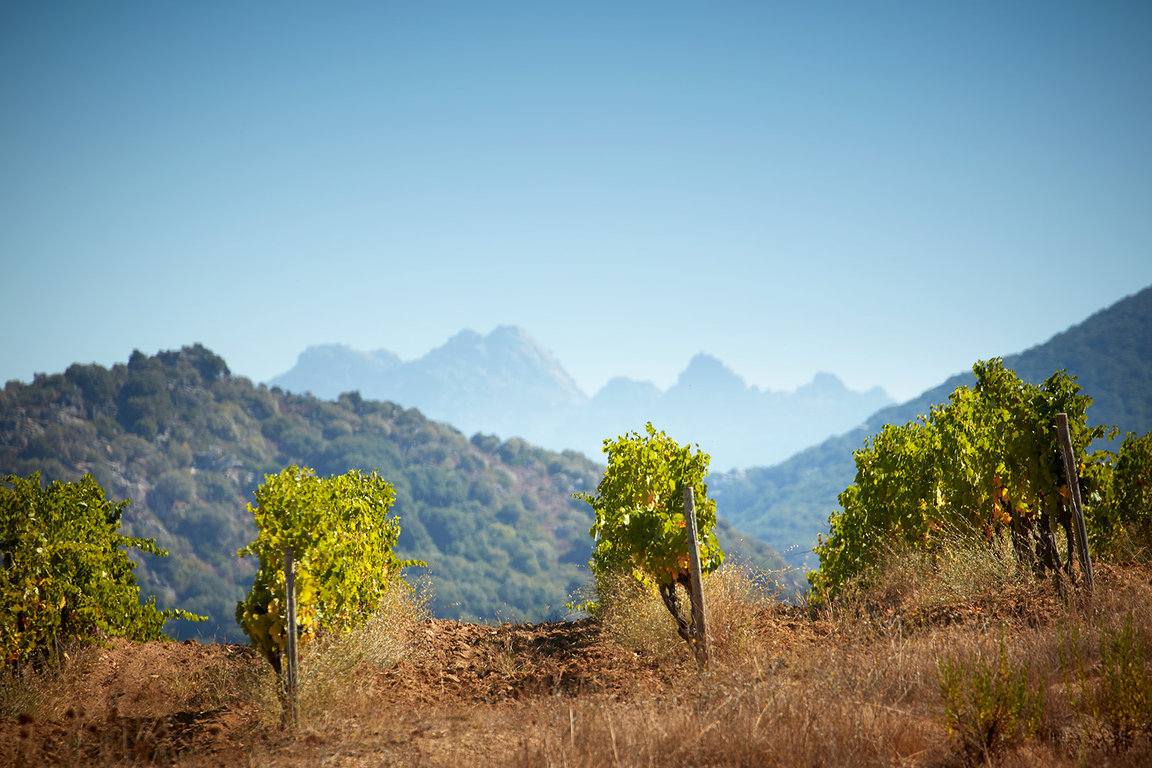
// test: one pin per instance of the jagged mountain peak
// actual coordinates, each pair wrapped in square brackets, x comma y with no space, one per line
[327,370]
[508,383]
[706,370]
[506,344]
[340,352]
[507,358]
[465,339]
[823,384]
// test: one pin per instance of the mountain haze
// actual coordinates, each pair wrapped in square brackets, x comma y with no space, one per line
[506,383]
[1110,353]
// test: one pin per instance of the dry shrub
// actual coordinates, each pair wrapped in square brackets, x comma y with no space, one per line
[335,672]
[991,702]
[28,689]
[736,597]
[962,568]
[24,690]
[1106,664]
[638,620]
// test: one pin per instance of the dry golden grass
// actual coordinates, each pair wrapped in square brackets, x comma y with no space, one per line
[855,683]
[336,674]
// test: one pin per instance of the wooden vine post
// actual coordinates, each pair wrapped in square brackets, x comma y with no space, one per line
[1073,480]
[290,670]
[699,619]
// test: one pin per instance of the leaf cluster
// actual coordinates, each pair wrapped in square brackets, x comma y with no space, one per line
[66,574]
[1122,524]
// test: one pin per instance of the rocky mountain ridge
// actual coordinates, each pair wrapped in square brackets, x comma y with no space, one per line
[507,383]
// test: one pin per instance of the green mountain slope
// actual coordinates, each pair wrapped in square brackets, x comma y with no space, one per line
[788,504]
[188,443]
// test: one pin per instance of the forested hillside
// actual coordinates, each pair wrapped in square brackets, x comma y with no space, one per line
[787,504]
[187,443]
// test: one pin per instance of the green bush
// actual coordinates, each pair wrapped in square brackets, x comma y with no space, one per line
[1121,524]
[640,525]
[985,462]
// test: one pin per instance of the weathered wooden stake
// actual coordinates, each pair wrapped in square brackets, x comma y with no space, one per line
[1073,479]
[290,628]
[699,618]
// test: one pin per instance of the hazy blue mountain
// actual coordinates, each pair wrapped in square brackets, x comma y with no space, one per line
[1110,353]
[506,383]
[336,368]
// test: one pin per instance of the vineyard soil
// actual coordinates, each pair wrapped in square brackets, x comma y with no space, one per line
[549,694]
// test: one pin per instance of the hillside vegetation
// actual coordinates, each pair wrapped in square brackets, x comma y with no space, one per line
[187,443]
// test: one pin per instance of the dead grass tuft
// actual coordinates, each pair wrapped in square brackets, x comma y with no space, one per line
[337,674]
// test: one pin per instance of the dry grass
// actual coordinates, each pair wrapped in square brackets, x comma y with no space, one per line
[336,674]
[637,619]
[857,683]
[870,693]
[962,571]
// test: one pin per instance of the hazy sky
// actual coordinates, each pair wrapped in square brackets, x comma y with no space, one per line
[888,191]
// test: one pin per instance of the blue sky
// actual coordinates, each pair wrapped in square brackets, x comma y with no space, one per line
[888,191]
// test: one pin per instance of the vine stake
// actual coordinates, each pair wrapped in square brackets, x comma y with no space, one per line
[290,607]
[699,620]
[1073,480]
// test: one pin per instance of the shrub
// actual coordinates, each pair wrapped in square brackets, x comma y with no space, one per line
[1120,704]
[640,525]
[332,670]
[985,462]
[989,704]
[1121,524]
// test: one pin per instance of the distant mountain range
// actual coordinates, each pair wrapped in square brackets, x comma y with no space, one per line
[508,384]
[788,504]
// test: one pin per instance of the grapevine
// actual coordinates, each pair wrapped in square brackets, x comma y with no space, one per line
[640,527]
[986,462]
[342,538]
[66,575]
